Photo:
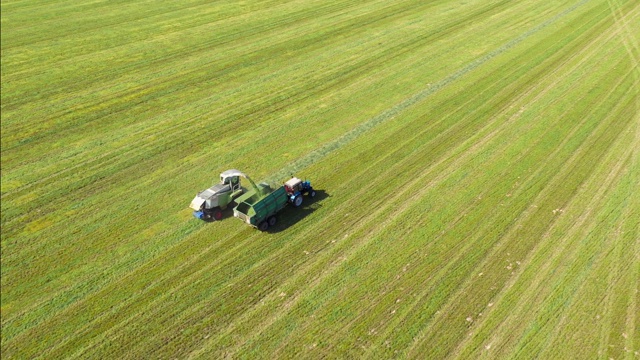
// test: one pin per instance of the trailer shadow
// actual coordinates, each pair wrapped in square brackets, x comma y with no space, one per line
[291,215]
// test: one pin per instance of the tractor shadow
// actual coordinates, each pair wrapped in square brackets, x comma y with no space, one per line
[291,215]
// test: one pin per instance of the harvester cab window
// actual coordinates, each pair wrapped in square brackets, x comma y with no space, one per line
[235,182]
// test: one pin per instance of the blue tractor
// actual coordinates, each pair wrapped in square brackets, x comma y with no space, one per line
[295,188]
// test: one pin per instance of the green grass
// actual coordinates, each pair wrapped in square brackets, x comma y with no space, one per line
[478,165]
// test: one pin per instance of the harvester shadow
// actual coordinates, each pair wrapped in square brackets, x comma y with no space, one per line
[290,215]
[226,214]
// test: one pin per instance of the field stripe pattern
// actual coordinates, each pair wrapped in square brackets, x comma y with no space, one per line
[477,167]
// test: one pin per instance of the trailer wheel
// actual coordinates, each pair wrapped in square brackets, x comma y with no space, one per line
[297,201]
[272,220]
[263,226]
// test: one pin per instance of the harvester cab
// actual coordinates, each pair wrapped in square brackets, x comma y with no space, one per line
[231,180]
[295,188]
[208,204]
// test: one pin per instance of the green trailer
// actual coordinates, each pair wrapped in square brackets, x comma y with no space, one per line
[258,207]
[259,210]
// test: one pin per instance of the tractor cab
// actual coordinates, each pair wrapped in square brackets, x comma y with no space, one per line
[295,188]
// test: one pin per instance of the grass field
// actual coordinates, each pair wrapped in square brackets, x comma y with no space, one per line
[478,167]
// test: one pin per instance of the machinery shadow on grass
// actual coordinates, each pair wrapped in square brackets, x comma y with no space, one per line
[291,215]
[226,214]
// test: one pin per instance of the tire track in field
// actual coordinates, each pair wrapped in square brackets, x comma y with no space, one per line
[614,333]
[276,48]
[362,190]
[183,80]
[358,68]
[98,165]
[229,252]
[149,286]
[117,22]
[585,54]
[442,272]
[551,252]
[568,281]
[157,66]
[536,289]
[633,340]
[612,294]
[397,49]
[566,289]
[454,79]
[515,115]
[633,337]
[546,290]
[391,113]
[350,251]
[536,98]
[634,163]
[424,336]
[627,37]
[314,281]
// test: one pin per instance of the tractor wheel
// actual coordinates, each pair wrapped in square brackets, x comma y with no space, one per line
[217,214]
[272,220]
[263,226]
[297,201]
[312,193]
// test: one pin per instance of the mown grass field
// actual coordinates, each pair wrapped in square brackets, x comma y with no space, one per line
[478,165]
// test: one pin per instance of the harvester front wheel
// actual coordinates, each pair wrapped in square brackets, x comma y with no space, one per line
[217,214]
[263,226]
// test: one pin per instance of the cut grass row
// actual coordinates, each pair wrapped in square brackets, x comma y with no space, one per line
[168,289]
[329,283]
[194,121]
[98,186]
[108,182]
